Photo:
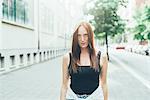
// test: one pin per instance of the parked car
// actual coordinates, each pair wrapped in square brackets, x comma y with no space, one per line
[147,51]
[120,46]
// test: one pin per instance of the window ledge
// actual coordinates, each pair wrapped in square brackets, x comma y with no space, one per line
[17,24]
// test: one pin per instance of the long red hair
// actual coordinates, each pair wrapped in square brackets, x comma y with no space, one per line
[76,50]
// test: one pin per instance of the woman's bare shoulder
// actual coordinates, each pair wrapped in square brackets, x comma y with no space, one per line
[66,58]
[97,51]
[103,53]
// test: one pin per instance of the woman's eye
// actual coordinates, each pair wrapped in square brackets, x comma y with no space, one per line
[85,34]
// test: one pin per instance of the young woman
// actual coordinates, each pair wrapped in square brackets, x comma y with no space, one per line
[84,69]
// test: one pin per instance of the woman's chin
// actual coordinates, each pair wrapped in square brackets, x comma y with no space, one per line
[83,46]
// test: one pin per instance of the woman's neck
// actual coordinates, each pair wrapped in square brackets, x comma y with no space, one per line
[84,50]
[84,57]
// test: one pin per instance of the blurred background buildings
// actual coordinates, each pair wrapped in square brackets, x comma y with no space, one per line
[32,31]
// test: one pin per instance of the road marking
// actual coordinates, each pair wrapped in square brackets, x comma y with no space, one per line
[141,79]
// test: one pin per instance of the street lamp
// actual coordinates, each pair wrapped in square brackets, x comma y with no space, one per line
[38,25]
[106,33]
[107,44]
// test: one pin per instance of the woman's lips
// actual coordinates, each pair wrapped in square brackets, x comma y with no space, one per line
[83,43]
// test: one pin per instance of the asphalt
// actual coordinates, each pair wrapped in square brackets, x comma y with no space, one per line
[43,81]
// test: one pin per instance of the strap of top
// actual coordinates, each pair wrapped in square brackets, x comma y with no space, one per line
[98,56]
[69,59]
[69,66]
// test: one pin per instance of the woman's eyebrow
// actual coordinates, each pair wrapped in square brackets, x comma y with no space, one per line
[83,34]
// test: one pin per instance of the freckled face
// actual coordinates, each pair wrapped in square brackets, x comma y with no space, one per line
[82,37]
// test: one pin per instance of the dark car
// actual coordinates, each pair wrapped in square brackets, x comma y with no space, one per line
[147,51]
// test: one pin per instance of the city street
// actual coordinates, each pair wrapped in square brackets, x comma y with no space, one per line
[35,34]
[128,76]
[128,79]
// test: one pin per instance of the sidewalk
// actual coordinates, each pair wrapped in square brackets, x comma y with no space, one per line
[37,82]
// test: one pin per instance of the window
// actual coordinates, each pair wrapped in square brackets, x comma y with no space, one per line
[16,11]
[46,19]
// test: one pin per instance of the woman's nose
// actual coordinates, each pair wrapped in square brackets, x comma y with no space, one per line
[82,38]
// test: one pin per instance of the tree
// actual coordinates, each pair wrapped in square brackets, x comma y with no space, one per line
[147,13]
[106,21]
[139,30]
[147,19]
[142,18]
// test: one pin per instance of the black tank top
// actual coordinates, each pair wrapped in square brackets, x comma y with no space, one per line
[86,80]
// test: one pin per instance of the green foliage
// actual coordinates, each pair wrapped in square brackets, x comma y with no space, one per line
[142,18]
[148,35]
[140,28]
[147,13]
[139,36]
[106,20]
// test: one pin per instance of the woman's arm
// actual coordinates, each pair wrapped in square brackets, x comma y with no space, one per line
[65,77]
[104,63]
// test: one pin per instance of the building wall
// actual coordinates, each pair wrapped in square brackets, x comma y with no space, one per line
[141,3]
[0,25]
[45,35]
[18,35]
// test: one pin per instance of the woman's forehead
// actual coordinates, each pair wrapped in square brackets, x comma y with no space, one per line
[82,30]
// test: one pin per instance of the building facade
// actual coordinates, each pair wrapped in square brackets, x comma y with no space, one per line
[32,31]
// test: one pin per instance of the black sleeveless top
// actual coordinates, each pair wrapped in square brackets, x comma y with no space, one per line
[86,79]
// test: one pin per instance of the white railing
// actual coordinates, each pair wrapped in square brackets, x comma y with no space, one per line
[14,59]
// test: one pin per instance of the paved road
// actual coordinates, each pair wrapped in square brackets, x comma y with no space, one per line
[128,76]
[42,82]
